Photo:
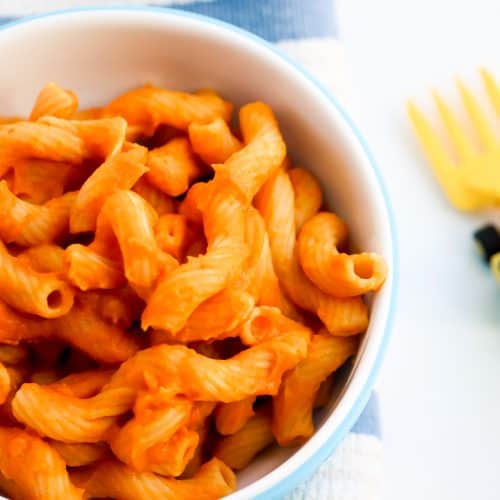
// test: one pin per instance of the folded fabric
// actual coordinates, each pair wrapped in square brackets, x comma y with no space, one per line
[307,32]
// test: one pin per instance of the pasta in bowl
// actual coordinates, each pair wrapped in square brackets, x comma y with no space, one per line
[175,296]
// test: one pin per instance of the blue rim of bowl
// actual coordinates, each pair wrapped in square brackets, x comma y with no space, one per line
[306,470]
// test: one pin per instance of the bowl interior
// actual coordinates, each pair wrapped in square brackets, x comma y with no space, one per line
[102,53]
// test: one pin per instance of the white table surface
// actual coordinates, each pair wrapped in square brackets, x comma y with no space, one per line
[440,385]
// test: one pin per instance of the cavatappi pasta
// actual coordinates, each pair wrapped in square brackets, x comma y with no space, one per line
[174,297]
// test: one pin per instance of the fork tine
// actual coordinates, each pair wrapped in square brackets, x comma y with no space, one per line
[437,155]
[491,88]
[477,117]
[441,164]
[458,137]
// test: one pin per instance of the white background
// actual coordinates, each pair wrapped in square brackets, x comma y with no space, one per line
[440,386]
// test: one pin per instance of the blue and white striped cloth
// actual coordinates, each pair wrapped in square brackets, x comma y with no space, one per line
[307,31]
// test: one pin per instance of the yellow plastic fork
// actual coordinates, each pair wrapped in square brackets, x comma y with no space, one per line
[472,181]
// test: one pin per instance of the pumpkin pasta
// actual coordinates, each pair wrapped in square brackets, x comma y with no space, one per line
[164,277]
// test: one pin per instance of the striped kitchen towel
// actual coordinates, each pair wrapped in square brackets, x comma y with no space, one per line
[307,31]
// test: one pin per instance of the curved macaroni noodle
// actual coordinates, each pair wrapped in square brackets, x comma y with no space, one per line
[67,418]
[308,195]
[153,106]
[337,274]
[141,442]
[38,181]
[216,318]
[261,280]
[45,258]
[27,224]
[54,101]
[132,221]
[238,450]
[213,480]
[80,454]
[34,468]
[89,270]
[263,153]
[119,172]
[160,201]
[231,417]
[29,291]
[341,316]
[293,406]
[213,142]
[173,167]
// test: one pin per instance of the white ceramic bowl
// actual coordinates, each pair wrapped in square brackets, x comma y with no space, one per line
[101,52]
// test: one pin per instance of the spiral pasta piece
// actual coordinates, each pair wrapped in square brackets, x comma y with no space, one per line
[63,141]
[173,457]
[16,327]
[45,258]
[213,142]
[231,417]
[83,384]
[101,138]
[266,322]
[67,418]
[43,294]
[41,140]
[111,479]
[216,318]
[149,107]
[181,455]
[88,270]
[119,172]
[54,101]
[260,280]
[293,406]
[177,296]
[132,220]
[173,167]
[239,449]
[263,153]
[337,274]
[345,316]
[193,466]
[80,454]
[308,195]
[109,343]
[38,181]
[140,442]
[27,224]
[34,469]
[160,201]
[255,371]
